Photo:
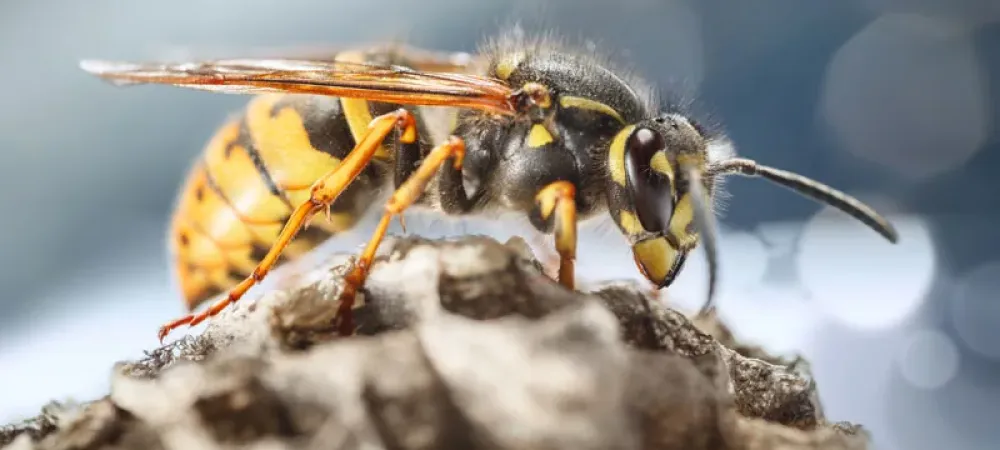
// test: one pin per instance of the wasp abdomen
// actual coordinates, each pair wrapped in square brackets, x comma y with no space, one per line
[256,169]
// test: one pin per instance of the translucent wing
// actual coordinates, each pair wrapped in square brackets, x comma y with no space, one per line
[418,58]
[386,83]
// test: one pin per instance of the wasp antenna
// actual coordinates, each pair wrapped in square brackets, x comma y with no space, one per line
[809,188]
[705,224]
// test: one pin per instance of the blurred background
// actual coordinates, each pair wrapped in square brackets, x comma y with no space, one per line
[894,101]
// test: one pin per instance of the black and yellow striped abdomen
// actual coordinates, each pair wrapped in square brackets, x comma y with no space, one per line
[252,174]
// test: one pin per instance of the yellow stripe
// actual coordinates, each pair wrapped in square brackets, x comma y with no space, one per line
[689,159]
[616,156]
[683,215]
[660,164]
[630,223]
[569,101]
[539,136]
[681,219]
[357,111]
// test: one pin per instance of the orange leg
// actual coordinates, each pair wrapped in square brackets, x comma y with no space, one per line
[546,257]
[559,200]
[402,198]
[324,192]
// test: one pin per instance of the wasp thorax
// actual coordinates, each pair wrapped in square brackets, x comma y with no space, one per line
[650,176]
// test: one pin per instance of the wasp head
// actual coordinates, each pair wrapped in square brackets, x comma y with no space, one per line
[662,175]
[658,194]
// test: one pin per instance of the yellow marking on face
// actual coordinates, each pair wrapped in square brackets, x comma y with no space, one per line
[357,111]
[630,223]
[655,258]
[569,101]
[683,215]
[660,164]
[681,220]
[505,67]
[539,136]
[688,159]
[616,155]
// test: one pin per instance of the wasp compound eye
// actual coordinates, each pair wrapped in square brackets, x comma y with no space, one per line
[649,177]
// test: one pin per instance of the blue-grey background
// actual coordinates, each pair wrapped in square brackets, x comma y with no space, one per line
[892,100]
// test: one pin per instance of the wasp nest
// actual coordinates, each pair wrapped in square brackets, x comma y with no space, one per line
[461,344]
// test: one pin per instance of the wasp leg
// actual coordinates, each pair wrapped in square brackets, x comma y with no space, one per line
[555,207]
[408,156]
[546,257]
[404,196]
[324,192]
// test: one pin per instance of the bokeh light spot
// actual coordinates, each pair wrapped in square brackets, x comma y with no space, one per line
[976,310]
[859,278]
[909,93]
[972,12]
[929,359]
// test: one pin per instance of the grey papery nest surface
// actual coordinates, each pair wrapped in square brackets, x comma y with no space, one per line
[462,344]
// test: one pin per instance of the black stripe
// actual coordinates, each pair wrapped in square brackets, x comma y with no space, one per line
[324,121]
[672,241]
[245,140]
[234,272]
[210,181]
[230,268]
[214,186]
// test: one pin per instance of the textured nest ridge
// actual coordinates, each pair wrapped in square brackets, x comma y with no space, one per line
[461,344]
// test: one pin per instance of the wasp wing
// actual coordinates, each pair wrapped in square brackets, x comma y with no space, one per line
[418,58]
[395,84]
